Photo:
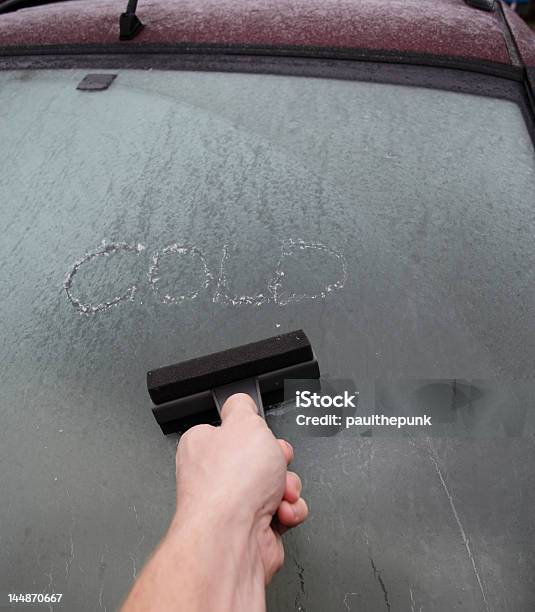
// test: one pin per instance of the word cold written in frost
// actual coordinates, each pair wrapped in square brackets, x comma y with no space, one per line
[277,290]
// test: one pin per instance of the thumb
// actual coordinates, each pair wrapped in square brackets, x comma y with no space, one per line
[238,406]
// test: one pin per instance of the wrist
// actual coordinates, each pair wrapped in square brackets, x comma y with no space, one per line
[224,563]
[217,512]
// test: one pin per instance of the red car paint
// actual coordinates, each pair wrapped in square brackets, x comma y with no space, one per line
[440,28]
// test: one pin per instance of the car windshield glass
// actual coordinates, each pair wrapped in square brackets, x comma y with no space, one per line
[175,214]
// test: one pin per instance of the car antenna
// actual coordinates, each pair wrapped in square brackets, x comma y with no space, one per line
[129,23]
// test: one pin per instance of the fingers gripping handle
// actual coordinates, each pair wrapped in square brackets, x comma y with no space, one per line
[248,386]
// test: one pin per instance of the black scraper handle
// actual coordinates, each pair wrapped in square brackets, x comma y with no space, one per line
[247,385]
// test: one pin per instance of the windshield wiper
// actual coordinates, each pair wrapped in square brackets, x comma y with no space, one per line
[129,23]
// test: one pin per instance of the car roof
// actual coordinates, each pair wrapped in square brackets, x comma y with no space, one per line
[437,28]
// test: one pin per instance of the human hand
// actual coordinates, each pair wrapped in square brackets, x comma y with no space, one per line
[237,473]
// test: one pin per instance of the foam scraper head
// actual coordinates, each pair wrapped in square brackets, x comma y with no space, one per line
[192,392]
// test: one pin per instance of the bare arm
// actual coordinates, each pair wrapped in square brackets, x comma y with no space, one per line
[223,546]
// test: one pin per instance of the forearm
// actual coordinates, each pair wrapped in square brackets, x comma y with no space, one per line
[203,563]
